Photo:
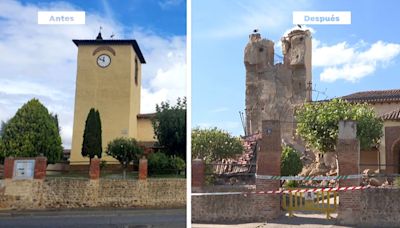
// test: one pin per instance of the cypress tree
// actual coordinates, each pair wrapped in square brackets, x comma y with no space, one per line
[91,145]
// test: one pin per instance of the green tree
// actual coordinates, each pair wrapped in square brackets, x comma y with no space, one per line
[92,140]
[169,126]
[31,132]
[318,124]
[125,150]
[291,164]
[214,144]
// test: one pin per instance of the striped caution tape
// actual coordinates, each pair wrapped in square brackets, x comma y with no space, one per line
[344,177]
[285,191]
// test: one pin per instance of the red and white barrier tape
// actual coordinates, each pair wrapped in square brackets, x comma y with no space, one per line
[285,191]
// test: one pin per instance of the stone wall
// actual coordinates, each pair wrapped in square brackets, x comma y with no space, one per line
[380,207]
[228,208]
[77,193]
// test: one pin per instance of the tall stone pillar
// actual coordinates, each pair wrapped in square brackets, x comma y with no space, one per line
[268,163]
[348,150]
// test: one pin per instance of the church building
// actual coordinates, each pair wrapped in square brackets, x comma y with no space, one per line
[109,76]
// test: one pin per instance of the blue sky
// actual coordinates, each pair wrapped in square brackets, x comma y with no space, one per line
[346,58]
[40,60]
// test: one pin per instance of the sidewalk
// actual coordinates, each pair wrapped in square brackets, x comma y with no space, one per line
[299,220]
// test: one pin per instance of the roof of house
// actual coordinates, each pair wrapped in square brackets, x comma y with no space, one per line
[392,115]
[146,115]
[374,96]
[113,42]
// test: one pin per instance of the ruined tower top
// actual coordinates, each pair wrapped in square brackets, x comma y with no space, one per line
[273,90]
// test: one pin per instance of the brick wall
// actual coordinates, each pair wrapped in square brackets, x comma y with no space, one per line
[78,193]
[348,150]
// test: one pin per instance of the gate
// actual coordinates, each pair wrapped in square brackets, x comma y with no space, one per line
[324,202]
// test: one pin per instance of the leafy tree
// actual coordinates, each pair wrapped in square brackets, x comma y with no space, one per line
[125,150]
[318,123]
[169,126]
[92,142]
[291,164]
[31,132]
[214,144]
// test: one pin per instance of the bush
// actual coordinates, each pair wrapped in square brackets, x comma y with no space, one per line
[290,162]
[160,163]
[291,184]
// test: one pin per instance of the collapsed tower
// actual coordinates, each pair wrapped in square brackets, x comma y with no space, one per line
[273,90]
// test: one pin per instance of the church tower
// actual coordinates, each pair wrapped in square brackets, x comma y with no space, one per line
[109,80]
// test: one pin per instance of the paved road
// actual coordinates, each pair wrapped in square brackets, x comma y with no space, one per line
[300,220]
[132,218]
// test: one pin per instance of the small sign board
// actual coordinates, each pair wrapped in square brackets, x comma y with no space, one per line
[24,169]
[309,196]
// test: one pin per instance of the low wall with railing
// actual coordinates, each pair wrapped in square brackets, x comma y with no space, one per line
[78,193]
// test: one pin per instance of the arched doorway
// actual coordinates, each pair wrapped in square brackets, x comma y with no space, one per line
[396,156]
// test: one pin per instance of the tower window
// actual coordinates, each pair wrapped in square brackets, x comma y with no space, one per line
[136,71]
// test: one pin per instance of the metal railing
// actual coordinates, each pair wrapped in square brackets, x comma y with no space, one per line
[324,202]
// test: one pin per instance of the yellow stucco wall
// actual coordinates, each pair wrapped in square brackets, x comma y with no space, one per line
[111,90]
[145,130]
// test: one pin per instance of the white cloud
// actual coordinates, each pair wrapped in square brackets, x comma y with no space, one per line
[218,110]
[40,61]
[165,71]
[352,63]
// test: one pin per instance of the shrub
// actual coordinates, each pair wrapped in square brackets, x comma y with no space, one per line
[291,184]
[160,163]
[290,162]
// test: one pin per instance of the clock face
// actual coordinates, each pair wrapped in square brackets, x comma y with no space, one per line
[103,60]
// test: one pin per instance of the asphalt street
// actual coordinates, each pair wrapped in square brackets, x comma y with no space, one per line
[127,218]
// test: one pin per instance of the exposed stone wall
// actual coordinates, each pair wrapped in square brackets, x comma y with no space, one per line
[273,90]
[379,207]
[76,193]
[229,208]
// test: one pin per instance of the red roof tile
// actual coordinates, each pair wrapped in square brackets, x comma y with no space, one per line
[393,115]
[376,96]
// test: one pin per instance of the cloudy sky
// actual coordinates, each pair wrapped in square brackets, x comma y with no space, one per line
[346,58]
[40,60]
